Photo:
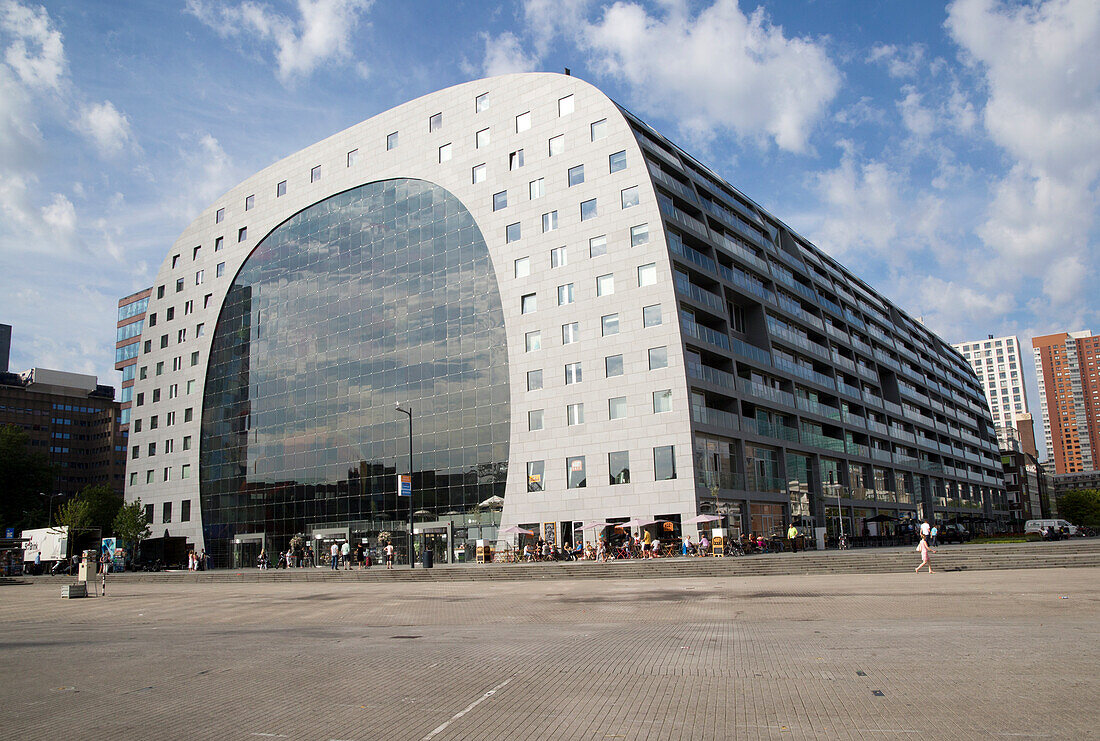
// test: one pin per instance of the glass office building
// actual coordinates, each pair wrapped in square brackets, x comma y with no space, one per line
[584,321]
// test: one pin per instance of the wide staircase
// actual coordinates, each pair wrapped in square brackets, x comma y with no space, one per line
[1082,553]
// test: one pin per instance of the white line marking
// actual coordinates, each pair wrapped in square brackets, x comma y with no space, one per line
[467,709]
[268,735]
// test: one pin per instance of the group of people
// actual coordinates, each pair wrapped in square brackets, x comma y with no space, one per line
[197,561]
[341,555]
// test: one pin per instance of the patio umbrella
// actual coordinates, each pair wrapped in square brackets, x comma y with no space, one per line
[699,519]
[492,502]
[515,530]
[595,526]
[636,523]
[881,518]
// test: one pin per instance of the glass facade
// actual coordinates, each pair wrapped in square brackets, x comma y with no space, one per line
[380,295]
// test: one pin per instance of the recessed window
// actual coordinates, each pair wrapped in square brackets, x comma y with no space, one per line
[435,123]
[481,139]
[572,373]
[599,129]
[199,277]
[523,267]
[630,197]
[557,145]
[391,141]
[549,222]
[534,380]
[533,340]
[597,246]
[574,414]
[478,173]
[664,463]
[175,261]
[616,407]
[159,370]
[515,160]
[651,315]
[528,303]
[219,216]
[280,189]
[609,325]
[647,275]
[249,202]
[200,330]
[219,242]
[512,232]
[662,401]
[315,174]
[617,161]
[500,200]
[220,270]
[191,386]
[613,366]
[206,300]
[352,158]
[535,471]
[481,103]
[242,234]
[445,153]
[588,209]
[570,333]
[188,414]
[160,291]
[523,122]
[558,257]
[658,357]
[576,175]
[605,284]
[534,419]
[618,466]
[537,188]
[575,472]
[639,234]
[565,105]
[195,252]
[565,294]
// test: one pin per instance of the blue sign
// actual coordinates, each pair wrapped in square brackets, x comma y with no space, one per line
[404,485]
[9,533]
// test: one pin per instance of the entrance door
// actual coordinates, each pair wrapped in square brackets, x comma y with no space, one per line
[246,553]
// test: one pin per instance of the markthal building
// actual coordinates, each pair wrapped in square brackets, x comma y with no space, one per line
[587,325]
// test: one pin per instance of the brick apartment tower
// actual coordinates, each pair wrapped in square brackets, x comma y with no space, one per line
[1066,367]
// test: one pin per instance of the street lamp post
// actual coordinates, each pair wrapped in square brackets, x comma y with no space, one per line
[412,554]
[839,512]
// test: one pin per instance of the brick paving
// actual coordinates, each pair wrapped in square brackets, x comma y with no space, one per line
[954,655]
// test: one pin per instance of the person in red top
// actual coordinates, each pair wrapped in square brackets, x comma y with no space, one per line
[924,550]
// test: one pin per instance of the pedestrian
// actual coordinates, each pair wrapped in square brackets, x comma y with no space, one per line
[345,555]
[925,529]
[704,544]
[792,538]
[923,549]
[389,555]
[38,563]
[934,532]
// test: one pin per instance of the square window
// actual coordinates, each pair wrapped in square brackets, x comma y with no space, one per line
[219,216]
[523,267]
[534,420]
[515,160]
[478,174]
[133,478]
[565,105]
[570,333]
[664,463]
[630,197]
[186,442]
[576,175]
[617,161]
[616,407]
[188,414]
[315,174]
[528,303]
[535,470]
[200,330]
[523,122]
[613,366]
[574,414]
[219,242]
[588,209]
[242,234]
[557,145]
[166,509]
[512,232]
[549,222]
[598,129]
[143,373]
[280,189]
[185,471]
[662,401]
[249,202]
[618,466]
[639,235]
[533,340]
[445,153]
[352,158]
[609,325]
[481,139]
[500,200]
[534,380]
[160,291]
[558,257]
[647,275]
[537,188]
[597,246]
[481,103]
[220,270]
[391,141]
[435,122]
[565,294]
[574,471]
[658,357]
[605,284]
[572,373]
[191,387]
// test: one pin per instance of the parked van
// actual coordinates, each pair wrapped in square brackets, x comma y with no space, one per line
[1038,526]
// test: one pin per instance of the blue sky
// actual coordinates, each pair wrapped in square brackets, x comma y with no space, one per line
[948,153]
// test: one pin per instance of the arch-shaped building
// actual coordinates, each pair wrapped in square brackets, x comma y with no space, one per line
[583,319]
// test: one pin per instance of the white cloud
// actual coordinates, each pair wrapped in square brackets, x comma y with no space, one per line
[952,308]
[919,120]
[320,34]
[59,218]
[36,51]
[504,54]
[900,62]
[862,207]
[105,126]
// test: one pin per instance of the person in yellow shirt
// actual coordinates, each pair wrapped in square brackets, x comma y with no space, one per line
[792,538]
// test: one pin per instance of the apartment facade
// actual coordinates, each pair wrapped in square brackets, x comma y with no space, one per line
[999,366]
[1069,390]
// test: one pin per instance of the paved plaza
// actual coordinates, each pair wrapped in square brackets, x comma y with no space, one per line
[880,656]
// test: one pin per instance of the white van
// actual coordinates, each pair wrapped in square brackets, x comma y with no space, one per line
[1038,526]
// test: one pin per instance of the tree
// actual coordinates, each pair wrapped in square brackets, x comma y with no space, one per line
[1081,507]
[75,513]
[103,506]
[130,525]
[24,474]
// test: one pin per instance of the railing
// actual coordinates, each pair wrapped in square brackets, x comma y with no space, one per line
[754,482]
[800,288]
[861,345]
[819,440]
[736,250]
[867,372]
[905,460]
[899,434]
[751,351]
[891,406]
[836,332]
[830,305]
[878,427]
[767,429]
[854,319]
[860,449]
[845,388]
[885,359]
[761,391]
[699,294]
[842,361]
[706,334]
[676,244]
[677,216]
[715,417]
[796,308]
[802,372]
[872,399]
[721,479]
[711,375]
[672,183]
[853,419]
[881,455]
[778,330]
[912,394]
[738,278]
[816,407]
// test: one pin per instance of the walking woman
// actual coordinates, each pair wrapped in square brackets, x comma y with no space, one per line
[924,550]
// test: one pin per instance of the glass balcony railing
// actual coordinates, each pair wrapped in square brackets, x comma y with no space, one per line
[848,390]
[779,331]
[881,455]
[699,294]
[795,308]
[803,372]
[737,278]
[768,429]
[878,427]
[706,334]
[819,440]
[681,218]
[816,407]
[672,184]
[769,393]
[858,449]
[720,479]
[677,246]
[752,352]
[715,417]
[737,250]
[711,375]
[867,372]
[757,482]
[842,361]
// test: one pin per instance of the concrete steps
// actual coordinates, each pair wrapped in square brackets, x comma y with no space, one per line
[1070,554]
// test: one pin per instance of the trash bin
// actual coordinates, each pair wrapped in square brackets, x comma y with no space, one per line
[427,558]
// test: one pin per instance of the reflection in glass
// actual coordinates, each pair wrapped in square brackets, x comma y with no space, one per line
[381,294]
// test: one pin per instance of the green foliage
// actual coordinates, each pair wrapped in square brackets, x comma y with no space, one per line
[75,513]
[1081,507]
[103,505]
[24,474]
[130,526]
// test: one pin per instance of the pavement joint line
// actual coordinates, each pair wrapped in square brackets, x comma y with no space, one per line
[439,729]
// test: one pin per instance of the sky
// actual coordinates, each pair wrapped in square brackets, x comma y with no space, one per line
[948,154]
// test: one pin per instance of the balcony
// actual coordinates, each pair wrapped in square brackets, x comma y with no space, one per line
[779,331]
[737,250]
[706,334]
[881,455]
[801,289]
[848,390]
[677,246]
[739,279]
[681,218]
[768,429]
[859,449]
[886,360]
[899,434]
[842,361]
[853,419]
[711,375]
[819,440]
[715,417]
[702,295]
[795,308]
[836,332]
[756,482]
[878,427]
[720,479]
[803,372]
[752,352]
[672,184]
[830,305]
[769,393]
[867,372]
[816,407]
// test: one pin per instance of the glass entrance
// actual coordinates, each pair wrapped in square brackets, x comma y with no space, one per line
[246,552]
